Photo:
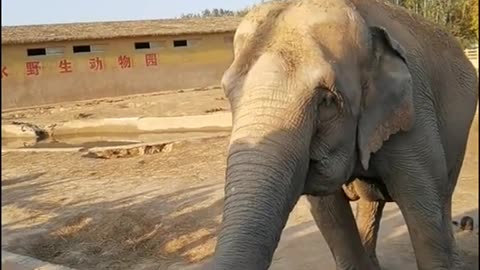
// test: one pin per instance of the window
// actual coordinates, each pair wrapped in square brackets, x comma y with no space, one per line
[148,45]
[81,49]
[180,43]
[142,45]
[36,52]
[55,51]
[45,51]
[96,48]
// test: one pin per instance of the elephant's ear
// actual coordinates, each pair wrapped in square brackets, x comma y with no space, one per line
[387,105]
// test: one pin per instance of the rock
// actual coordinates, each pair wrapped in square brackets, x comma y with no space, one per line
[127,151]
[466,223]
[215,110]
[167,148]
[83,115]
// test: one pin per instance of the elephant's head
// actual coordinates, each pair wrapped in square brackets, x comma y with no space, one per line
[313,90]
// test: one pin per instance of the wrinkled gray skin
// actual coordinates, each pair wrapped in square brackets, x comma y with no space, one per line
[356,94]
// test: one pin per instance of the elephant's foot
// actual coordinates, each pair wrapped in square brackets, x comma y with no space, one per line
[374,259]
[367,263]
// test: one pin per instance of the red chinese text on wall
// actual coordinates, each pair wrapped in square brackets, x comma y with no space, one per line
[4,72]
[124,61]
[65,66]
[33,68]
[96,64]
[151,59]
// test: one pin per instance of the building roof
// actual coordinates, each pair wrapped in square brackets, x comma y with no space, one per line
[107,30]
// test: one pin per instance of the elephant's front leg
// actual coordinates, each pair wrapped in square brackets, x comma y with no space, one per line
[368,216]
[417,179]
[422,206]
[333,216]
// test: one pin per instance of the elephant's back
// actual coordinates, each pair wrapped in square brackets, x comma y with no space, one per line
[419,36]
[399,19]
[430,48]
[442,74]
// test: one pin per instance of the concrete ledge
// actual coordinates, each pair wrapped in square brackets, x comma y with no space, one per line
[209,121]
[219,121]
[11,261]
[132,125]
[18,131]
[43,150]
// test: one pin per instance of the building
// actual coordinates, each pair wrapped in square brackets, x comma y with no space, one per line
[44,64]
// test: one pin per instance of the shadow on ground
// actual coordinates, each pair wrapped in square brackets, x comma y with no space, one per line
[162,230]
[302,247]
[151,234]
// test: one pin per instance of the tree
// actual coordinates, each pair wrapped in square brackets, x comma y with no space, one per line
[206,13]
[460,17]
[473,14]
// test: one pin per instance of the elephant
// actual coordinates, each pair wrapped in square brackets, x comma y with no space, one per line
[341,100]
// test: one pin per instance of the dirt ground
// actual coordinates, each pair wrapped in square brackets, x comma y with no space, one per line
[161,104]
[162,211]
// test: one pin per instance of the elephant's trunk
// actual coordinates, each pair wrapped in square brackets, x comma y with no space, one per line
[267,163]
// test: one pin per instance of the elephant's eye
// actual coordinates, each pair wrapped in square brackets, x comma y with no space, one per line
[327,98]
[330,104]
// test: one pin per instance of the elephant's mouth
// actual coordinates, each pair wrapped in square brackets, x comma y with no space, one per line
[323,179]
[316,187]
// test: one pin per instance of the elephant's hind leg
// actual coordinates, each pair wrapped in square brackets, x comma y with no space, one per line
[453,179]
[334,217]
[372,198]
[368,216]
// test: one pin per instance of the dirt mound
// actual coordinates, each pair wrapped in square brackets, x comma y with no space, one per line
[125,239]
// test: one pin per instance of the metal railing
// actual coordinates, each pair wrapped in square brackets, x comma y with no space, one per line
[472,54]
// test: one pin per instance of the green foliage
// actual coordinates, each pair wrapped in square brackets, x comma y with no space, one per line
[216,13]
[460,17]
[223,12]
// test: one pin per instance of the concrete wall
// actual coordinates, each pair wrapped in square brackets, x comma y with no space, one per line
[202,63]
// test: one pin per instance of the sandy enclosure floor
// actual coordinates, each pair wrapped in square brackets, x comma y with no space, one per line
[161,104]
[151,212]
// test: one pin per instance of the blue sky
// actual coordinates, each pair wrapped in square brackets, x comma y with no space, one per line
[22,12]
